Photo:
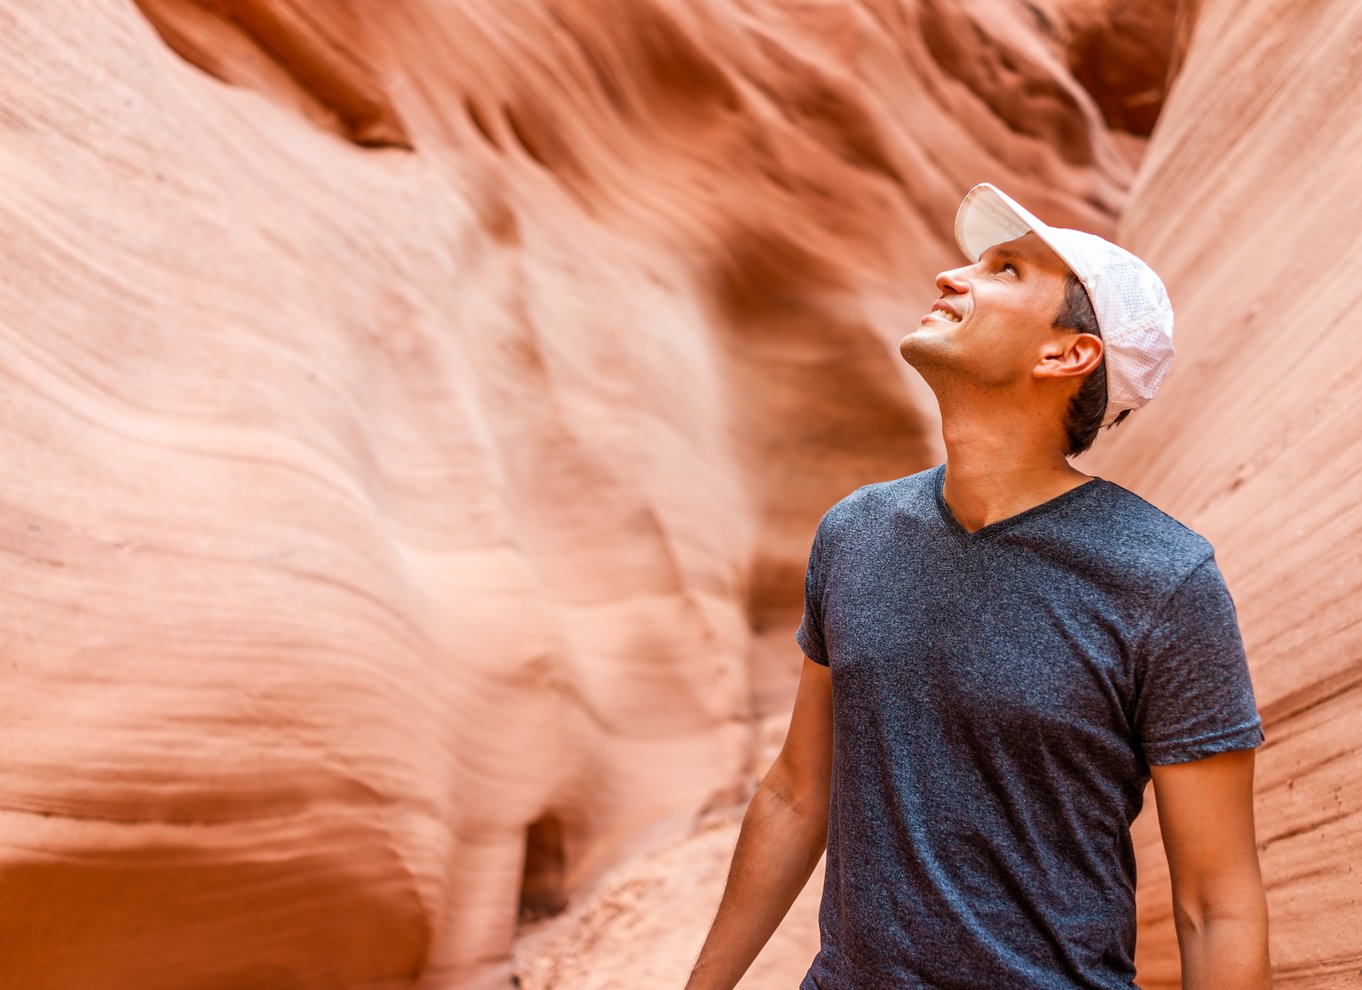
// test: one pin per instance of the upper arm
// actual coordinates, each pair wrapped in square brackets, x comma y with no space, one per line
[802,772]
[1205,810]
[1194,695]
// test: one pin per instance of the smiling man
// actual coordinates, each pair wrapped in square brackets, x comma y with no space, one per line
[1001,651]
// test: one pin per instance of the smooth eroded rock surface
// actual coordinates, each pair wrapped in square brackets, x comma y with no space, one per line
[416,419]
[417,415]
[1246,204]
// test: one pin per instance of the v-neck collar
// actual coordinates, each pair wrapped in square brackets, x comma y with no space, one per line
[966,539]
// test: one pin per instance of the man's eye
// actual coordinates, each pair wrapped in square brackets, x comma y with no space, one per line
[1007,265]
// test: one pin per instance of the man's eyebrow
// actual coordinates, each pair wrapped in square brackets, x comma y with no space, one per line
[1004,254]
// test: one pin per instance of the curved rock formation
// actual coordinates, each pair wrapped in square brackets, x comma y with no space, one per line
[313,58]
[1245,204]
[417,415]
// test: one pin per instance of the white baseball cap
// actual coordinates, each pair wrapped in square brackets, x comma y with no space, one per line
[1130,301]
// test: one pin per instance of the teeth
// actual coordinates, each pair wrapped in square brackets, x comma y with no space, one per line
[949,315]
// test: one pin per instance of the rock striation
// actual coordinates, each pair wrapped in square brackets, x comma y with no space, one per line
[1244,204]
[417,414]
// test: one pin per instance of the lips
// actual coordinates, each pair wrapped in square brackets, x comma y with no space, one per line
[944,312]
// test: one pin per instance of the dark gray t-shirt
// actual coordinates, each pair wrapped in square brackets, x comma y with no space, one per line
[997,700]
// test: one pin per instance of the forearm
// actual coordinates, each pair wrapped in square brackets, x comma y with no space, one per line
[778,846]
[1226,951]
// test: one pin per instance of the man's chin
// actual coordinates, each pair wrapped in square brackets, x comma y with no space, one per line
[915,346]
[928,353]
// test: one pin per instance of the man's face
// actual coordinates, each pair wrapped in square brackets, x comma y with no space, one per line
[994,317]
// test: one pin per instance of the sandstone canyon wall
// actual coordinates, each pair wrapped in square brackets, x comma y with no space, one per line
[417,414]
[1245,204]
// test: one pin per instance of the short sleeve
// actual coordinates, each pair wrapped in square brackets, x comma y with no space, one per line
[1194,697]
[809,636]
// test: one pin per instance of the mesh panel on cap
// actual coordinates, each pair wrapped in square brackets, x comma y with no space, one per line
[1133,304]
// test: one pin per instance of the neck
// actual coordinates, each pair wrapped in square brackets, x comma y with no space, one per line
[1001,463]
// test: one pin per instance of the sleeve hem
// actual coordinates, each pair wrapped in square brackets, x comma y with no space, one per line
[1246,735]
[807,646]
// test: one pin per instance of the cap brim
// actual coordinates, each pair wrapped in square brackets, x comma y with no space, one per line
[988,216]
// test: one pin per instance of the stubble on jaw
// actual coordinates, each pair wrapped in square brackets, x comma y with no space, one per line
[920,354]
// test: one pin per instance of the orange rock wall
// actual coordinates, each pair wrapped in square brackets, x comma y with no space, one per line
[1246,204]
[417,415]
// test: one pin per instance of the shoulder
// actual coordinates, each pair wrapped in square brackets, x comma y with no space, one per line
[1148,542]
[874,502]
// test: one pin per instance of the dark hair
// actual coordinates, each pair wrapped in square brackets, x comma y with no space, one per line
[1088,405]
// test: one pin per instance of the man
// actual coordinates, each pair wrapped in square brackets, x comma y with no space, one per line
[1000,652]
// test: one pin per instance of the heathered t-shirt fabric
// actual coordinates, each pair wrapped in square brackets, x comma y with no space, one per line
[998,697]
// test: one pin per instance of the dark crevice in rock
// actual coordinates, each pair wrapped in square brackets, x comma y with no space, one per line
[1125,60]
[1021,94]
[543,886]
[282,48]
[479,121]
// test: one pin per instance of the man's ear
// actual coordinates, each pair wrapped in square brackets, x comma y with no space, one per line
[1070,355]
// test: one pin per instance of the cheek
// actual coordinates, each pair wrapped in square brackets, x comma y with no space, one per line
[998,328]
[1005,341]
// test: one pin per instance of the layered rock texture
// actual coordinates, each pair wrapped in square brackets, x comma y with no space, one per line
[1244,203]
[417,414]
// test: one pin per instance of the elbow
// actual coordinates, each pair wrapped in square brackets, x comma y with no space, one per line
[808,802]
[805,811]
[1189,917]
[810,814]
[804,795]
[1244,903]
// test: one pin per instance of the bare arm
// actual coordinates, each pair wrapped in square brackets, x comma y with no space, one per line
[783,835]
[1219,908]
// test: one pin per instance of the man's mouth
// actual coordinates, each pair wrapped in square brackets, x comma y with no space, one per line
[944,312]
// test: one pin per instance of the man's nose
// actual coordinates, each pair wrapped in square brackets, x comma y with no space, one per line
[951,280]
